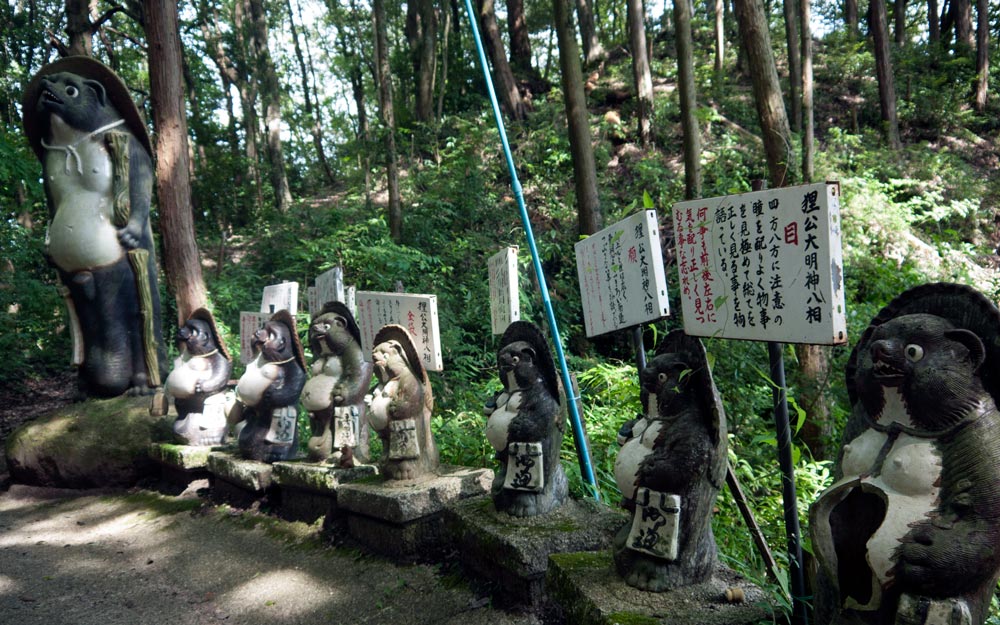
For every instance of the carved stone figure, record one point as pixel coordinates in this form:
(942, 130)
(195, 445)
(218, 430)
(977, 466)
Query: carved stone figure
(334, 395)
(97, 167)
(670, 468)
(400, 407)
(269, 389)
(910, 530)
(525, 425)
(198, 381)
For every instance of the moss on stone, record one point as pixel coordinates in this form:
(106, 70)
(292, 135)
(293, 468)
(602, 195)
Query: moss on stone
(631, 618)
(581, 560)
(160, 505)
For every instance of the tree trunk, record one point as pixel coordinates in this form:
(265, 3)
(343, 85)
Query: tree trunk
(963, 26)
(588, 205)
(883, 72)
(794, 63)
(720, 36)
(777, 136)
(933, 22)
(982, 54)
(446, 31)
(79, 28)
(503, 77)
(899, 22)
(421, 34)
(173, 186)
(685, 88)
(384, 79)
(312, 114)
(851, 17)
(270, 89)
(640, 70)
(520, 43)
(592, 50)
(808, 119)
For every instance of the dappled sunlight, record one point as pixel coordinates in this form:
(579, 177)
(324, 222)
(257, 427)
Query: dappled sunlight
(9, 586)
(268, 591)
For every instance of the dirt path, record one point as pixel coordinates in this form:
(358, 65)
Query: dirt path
(82, 558)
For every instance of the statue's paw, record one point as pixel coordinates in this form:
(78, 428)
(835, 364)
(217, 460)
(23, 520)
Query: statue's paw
(129, 236)
(645, 575)
(402, 470)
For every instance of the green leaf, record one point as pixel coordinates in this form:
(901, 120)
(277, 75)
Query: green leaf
(647, 201)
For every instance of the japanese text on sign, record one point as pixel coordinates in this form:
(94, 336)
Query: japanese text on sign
(417, 313)
(763, 266)
(622, 281)
(284, 296)
(329, 287)
(250, 322)
(504, 303)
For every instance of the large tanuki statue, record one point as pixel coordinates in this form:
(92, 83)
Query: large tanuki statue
(268, 392)
(400, 407)
(198, 381)
(334, 395)
(525, 425)
(669, 469)
(97, 167)
(909, 533)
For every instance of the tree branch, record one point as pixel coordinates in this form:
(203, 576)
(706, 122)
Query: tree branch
(56, 44)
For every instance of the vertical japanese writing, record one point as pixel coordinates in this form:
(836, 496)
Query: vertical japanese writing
(810, 227)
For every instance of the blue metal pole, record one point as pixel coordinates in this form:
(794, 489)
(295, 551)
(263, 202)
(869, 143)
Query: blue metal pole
(586, 469)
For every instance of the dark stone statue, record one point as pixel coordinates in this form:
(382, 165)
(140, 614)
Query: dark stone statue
(525, 425)
(910, 530)
(198, 381)
(268, 392)
(335, 394)
(671, 466)
(400, 407)
(97, 167)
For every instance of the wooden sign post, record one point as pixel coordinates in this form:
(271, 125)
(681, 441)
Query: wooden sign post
(766, 266)
(505, 305)
(284, 296)
(417, 313)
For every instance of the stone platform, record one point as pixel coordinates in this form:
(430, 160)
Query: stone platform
(512, 553)
(590, 592)
(404, 519)
(180, 465)
(309, 491)
(238, 482)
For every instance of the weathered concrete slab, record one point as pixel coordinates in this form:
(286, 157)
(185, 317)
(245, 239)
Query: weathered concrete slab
(404, 519)
(590, 592)
(513, 552)
(309, 491)
(236, 481)
(180, 465)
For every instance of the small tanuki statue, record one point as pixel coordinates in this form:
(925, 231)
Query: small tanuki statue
(97, 170)
(198, 381)
(670, 468)
(400, 407)
(334, 395)
(268, 392)
(525, 425)
(910, 530)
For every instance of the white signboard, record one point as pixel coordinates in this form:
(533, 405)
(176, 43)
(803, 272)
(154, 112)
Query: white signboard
(350, 299)
(250, 322)
(505, 306)
(622, 281)
(284, 296)
(416, 313)
(763, 266)
(330, 287)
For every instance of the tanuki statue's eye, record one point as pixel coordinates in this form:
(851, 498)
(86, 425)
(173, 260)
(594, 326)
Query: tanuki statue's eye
(914, 352)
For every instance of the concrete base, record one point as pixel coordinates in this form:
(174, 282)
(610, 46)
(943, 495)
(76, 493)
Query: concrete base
(238, 482)
(403, 519)
(590, 592)
(309, 491)
(512, 553)
(180, 465)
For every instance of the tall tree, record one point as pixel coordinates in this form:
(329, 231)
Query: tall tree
(421, 33)
(173, 185)
(851, 18)
(685, 79)
(883, 71)
(313, 113)
(592, 49)
(270, 89)
(520, 43)
(384, 80)
(79, 28)
(503, 77)
(720, 36)
(962, 12)
(794, 63)
(777, 135)
(808, 129)
(982, 54)
(933, 22)
(640, 70)
(899, 22)
(588, 206)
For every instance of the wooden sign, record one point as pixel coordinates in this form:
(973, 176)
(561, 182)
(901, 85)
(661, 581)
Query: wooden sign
(312, 301)
(763, 266)
(284, 296)
(250, 322)
(417, 313)
(330, 287)
(505, 305)
(622, 281)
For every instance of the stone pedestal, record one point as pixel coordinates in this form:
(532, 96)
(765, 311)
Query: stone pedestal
(238, 482)
(180, 465)
(403, 519)
(512, 553)
(591, 593)
(309, 491)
